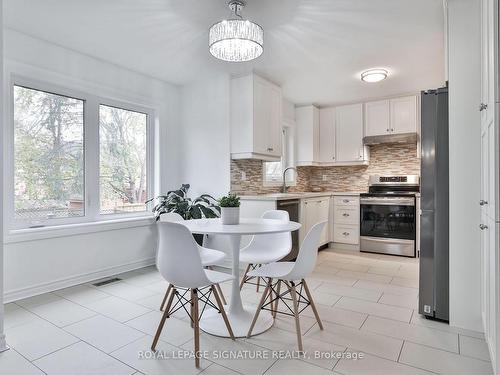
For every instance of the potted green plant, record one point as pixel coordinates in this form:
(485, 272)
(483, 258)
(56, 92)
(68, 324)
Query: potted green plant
(205, 206)
(230, 209)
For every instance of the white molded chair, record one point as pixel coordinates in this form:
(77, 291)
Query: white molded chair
(266, 248)
(289, 273)
(209, 257)
(179, 263)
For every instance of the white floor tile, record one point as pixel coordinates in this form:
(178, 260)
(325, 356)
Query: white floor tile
(82, 359)
(418, 319)
(371, 365)
(61, 312)
(377, 309)
(16, 315)
(38, 300)
(348, 291)
(378, 345)
(81, 294)
(401, 281)
(341, 280)
(117, 308)
(326, 299)
(126, 291)
(295, 366)
(442, 362)
(410, 301)
(131, 355)
(279, 340)
(215, 369)
(336, 315)
(248, 365)
(411, 332)
(12, 363)
(104, 333)
(287, 323)
(473, 347)
(38, 338)
(387, 288)
(152, 302)
(365, 276)
(175, 331)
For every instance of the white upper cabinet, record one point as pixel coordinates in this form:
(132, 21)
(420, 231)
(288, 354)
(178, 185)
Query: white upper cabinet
(377, 118)
(404, 115)
(349, 133)
(256, 119)
(307, 122)
(391, 116)
(327, 152)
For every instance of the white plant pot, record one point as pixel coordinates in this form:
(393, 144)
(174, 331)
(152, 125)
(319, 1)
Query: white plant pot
(230, 215)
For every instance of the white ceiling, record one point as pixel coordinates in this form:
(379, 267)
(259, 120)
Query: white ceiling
(315, 49)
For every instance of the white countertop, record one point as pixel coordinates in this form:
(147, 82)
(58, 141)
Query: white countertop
(301, 195)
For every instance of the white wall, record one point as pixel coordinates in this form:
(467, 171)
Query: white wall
(2, 334)
(45, 264)
(204, 138)
(464, 98)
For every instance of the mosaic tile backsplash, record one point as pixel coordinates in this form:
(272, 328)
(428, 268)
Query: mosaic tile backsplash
(385, 159)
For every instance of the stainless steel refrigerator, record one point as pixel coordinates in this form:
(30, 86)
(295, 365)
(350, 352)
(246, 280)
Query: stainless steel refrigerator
(434, 204)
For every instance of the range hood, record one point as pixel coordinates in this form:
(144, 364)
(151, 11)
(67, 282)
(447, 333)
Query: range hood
(390, 138)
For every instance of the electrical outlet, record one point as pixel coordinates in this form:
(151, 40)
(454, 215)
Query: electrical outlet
(243, 176)
(427, 309)
(325, 177)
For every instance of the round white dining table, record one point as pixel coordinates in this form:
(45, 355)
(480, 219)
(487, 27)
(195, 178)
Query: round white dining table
(240, 315)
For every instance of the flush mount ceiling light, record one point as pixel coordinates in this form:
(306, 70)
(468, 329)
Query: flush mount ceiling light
(236, 39)
(374, 75)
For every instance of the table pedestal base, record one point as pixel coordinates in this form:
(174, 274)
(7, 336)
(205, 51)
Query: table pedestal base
(212, 322)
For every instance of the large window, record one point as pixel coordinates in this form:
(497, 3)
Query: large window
(48, 163)
(77, 157)
(123, 160)
(273, 171)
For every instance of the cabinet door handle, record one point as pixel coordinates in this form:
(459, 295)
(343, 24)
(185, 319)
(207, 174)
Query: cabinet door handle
(392, 129)
(345, 233)
(345, 215)
(346, 200)
(388, 130)
(482, 202)
(270, 149)
(333, 157)
(483, 227)
(483, 107)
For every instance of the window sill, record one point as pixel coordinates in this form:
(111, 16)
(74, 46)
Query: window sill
(278, 183)
(32, 234)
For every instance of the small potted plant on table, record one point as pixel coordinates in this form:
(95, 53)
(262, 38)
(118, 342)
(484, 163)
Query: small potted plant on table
(230, 209)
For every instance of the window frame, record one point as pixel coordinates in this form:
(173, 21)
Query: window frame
(286, 157)
(91, 104)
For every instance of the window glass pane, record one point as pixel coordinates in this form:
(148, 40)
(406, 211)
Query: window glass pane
(48, 155)
(273, 171)
(123, 160)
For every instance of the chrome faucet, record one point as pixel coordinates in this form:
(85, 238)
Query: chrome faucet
(284, 188)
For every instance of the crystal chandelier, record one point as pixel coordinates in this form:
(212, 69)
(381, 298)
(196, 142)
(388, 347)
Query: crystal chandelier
(236, 39)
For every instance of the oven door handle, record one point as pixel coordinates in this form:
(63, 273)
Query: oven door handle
(388, 201)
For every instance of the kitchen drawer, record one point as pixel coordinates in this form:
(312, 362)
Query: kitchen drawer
(345, 201)
(346, 234)
(346, 215)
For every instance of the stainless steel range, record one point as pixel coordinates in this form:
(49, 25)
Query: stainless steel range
(388, 219)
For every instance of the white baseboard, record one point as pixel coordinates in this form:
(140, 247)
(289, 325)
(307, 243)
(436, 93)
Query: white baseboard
(50, 286)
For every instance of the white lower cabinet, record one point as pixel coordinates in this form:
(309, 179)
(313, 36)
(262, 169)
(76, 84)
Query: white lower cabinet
(346, 220)
(313, 211)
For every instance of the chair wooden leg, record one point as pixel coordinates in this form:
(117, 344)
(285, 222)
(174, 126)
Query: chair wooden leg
(259, 307)
(244, 276)
(222, 311)
(169, 289)
(258, 284)
(196, 329)
(191, 308)
(275, 309)
(293, 293)
(313, 306)
(219, 290)
(162, 321)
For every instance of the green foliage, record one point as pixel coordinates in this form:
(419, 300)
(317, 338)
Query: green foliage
(205, 206)
(230, 200)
